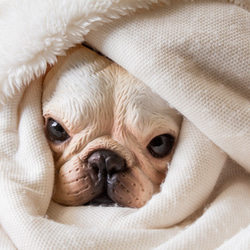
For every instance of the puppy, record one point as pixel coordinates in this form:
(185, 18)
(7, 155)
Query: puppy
(111, 136)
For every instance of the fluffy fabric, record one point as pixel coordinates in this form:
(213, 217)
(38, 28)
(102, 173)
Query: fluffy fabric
(195, 54)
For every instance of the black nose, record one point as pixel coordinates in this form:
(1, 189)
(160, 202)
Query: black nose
(107, 162)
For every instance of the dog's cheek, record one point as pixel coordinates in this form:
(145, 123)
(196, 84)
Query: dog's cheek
(130, 189)
(76, 184)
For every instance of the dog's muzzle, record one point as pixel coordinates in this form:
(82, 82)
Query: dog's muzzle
(102, 178)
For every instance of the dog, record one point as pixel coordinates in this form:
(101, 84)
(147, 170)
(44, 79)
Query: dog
(111, 136)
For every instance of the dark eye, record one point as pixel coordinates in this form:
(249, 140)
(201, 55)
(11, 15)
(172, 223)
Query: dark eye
(56, 132)
(161, 145)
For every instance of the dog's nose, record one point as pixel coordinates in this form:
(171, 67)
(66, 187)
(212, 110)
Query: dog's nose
(107, 161)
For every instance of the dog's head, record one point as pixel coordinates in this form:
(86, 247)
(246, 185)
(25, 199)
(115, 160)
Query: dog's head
(109, 133)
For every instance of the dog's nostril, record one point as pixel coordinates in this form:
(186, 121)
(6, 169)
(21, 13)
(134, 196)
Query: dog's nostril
(107, 161)
(115, 164)
(97, 162)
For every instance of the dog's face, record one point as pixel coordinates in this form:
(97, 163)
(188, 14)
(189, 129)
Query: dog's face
(111, 136)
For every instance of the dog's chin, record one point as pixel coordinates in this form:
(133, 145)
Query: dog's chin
(102, 200)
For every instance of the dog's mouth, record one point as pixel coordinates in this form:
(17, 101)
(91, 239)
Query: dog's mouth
(102, 200)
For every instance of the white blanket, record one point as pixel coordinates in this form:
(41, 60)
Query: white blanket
(196, 55)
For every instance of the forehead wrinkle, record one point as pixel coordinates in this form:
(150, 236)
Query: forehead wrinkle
(97, 111)
(80, 100)
(79, 63)
(76, 145)
(130, 101)
(84, 60)
(141, 111)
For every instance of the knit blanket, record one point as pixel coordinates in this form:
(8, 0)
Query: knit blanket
(194, 54)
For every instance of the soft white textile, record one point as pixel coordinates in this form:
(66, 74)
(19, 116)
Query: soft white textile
(196, 55)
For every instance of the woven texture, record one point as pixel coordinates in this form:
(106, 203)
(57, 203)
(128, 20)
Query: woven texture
(196, 55)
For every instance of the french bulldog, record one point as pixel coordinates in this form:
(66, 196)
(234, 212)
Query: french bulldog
(111, 136)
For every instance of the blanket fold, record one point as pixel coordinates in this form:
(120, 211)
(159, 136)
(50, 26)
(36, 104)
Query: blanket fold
(194, 54)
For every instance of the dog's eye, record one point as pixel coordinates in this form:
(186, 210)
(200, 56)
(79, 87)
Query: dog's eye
(56, 132)
(161, 145)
